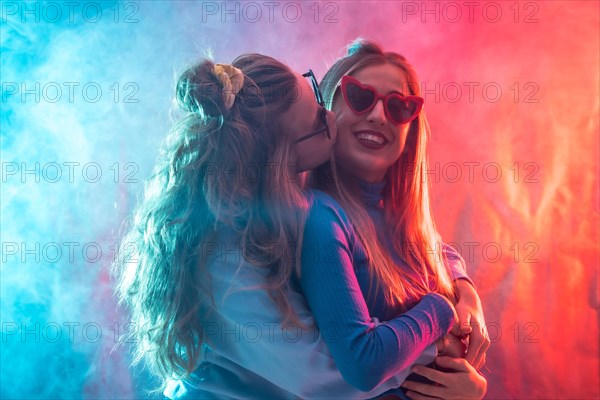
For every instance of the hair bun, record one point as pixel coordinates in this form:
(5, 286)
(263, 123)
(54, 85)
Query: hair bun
(361, 45)
(198, 90)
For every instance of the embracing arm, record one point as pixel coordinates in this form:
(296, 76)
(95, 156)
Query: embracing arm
(469, 310)
(366, 353)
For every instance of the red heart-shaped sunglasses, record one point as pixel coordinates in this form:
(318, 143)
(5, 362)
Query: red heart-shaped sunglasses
(362, 99)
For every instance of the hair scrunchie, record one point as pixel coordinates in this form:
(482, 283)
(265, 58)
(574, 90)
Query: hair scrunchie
(232, 79)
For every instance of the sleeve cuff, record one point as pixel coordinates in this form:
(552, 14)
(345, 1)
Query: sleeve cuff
(465, 278)
(440, 311)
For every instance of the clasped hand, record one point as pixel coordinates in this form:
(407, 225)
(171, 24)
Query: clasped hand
(461, 355)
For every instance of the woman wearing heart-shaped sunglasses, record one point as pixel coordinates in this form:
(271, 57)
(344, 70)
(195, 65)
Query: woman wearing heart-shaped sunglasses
(374, 175)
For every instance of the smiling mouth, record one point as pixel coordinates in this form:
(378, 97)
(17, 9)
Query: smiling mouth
(370, 139)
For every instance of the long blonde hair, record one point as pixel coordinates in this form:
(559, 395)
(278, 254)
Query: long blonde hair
(405, 195)
(218, 166)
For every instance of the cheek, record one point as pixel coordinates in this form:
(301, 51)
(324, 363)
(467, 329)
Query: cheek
(311, 155)
(344, 122)
(342, 112)
(332, 124)
(304, 158)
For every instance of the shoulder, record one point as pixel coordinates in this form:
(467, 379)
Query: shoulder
(318, 196)
(319, 200)
(322, 205)
(326, 214)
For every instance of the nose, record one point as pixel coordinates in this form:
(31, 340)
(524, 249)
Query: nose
(377, 114)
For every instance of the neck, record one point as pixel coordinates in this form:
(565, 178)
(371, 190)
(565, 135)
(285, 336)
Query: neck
(365, 176)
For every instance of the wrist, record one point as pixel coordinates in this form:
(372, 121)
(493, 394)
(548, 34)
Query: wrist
(444, 311)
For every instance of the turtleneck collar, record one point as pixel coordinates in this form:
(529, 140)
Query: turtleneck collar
(371, 192)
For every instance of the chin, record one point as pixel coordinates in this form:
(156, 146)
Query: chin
(370, 166)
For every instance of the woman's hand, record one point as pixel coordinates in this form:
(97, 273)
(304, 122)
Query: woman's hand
(451, 346)
(472, 323)
(463, 382)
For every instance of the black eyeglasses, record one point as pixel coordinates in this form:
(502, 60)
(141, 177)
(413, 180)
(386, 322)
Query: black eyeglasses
(313, 80)
(322, 112)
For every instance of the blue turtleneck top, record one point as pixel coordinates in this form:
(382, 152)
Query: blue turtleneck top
(335, 279)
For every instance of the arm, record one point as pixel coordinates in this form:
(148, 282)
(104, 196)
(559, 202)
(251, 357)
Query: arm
(469, 310)
(472, 323)
(365, 353)
(458, 270)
